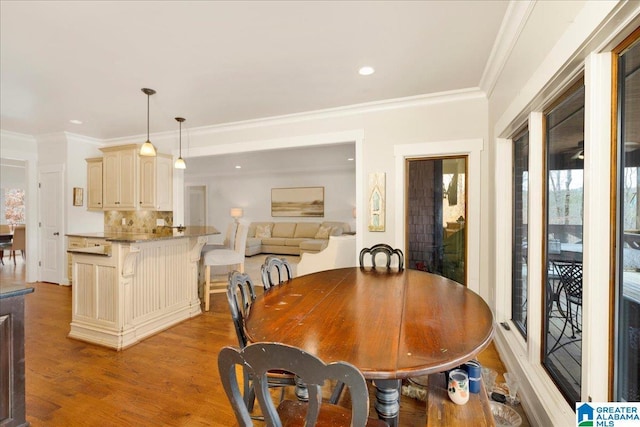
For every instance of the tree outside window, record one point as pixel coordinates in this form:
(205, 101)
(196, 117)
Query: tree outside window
(14, 206)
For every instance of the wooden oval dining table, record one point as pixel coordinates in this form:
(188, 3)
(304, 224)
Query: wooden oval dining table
(390, 324)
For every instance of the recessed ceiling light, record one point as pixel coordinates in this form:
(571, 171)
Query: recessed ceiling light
(75, 122)
(238, 167)
(350, 159)
(366, 71)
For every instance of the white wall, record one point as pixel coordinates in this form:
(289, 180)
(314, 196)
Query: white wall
(78, 218)
(252, 192)
(437, 118)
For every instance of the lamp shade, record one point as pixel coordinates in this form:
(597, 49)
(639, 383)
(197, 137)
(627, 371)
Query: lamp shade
(147, 149)
(180, 164)
(236, 212)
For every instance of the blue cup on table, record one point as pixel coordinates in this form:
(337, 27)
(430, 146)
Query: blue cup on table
(474, 372)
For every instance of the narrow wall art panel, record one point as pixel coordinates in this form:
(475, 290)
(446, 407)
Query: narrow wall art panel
(377, 201)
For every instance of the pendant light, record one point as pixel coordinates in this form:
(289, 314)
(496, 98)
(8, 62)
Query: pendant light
(147, 148)
(180, 164)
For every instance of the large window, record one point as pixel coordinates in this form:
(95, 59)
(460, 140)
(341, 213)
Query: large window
(520, 232)
(562, 343)
(627, 368)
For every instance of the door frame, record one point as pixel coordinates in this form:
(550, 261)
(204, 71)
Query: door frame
(61, 215)
(437, 149)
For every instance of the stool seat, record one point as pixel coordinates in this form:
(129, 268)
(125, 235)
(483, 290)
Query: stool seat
(231, 256)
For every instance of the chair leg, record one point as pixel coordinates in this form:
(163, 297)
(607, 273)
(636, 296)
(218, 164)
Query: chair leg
(207, 287)
(302, 392)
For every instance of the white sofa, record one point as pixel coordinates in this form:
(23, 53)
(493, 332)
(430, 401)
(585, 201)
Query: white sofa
(292, 238)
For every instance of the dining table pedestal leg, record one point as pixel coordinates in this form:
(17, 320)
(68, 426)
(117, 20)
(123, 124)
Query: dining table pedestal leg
(388, 400)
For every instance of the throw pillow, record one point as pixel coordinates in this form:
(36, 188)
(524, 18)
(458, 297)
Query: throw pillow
(263, 231)
(323, 232)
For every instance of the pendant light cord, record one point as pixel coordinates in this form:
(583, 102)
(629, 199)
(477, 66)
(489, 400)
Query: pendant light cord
(148, 116)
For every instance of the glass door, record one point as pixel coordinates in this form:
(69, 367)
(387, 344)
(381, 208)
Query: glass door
(436, 216)
(627, 367)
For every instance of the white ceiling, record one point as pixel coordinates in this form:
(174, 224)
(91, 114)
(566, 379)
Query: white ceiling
(299, 160)
(220, 62)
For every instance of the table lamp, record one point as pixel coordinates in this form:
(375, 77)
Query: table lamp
(236, 213)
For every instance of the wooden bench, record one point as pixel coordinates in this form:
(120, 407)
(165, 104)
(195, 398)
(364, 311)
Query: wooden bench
(441, 411)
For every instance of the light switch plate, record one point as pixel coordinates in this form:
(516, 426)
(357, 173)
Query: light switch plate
(159, 222)
(124, 221)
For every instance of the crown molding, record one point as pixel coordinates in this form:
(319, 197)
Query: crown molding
(74, 137)
(355, 109)
(514, 21)
(17, 136)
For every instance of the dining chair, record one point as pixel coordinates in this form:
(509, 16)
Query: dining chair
(18, 243)
(570, 276)
(382, 248)
(240, 295)
(223, 257)
(274, 265)
(271, 266)
(260, 358)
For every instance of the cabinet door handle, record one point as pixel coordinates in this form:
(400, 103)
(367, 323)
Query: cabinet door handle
(56, 234)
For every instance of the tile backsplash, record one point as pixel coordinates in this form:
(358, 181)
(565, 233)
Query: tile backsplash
(135, 221)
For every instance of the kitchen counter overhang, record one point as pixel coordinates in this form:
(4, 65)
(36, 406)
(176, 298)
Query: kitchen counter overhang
(160, 233)
(136, 286)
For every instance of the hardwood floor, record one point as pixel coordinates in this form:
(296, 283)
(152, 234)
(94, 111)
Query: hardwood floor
(169, 379)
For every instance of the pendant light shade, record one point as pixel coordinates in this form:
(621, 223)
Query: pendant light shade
(180, 164)
(147, 148)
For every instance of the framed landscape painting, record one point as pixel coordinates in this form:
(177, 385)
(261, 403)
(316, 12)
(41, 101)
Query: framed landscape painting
(297, 201)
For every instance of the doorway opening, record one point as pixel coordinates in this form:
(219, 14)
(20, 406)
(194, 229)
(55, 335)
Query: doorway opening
(436, 216)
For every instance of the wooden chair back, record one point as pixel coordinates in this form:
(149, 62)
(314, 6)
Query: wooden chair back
(271, 266)
(19, 242)
(5, 228)
(262, 357)
(382, 248)
(240, 295)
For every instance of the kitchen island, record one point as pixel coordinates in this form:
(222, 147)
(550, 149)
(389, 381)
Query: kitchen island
(135, 285)
(12, 369)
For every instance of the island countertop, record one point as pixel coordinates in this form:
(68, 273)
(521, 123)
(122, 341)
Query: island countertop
(12, 290)
(161, 233)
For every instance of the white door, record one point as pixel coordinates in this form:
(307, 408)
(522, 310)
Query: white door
(196, 209)
(51, 223)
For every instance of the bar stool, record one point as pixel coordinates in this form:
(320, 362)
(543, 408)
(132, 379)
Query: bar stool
(225, 257)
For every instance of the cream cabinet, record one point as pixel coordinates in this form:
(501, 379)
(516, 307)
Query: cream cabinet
(73, 242)
(120, 177)
(156, 182)
(94, 183)
(81, 242)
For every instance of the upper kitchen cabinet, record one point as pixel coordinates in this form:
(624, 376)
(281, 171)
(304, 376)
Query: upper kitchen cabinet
(120, 177)
(156, 182)
(94, 183)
